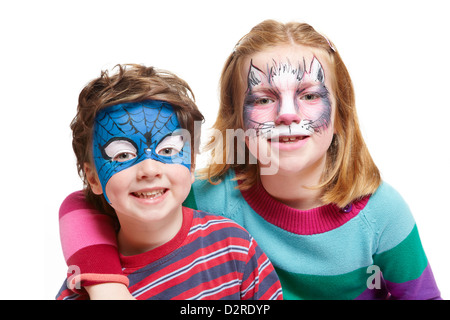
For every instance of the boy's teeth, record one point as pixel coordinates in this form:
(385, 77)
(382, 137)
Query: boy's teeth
(150, 194)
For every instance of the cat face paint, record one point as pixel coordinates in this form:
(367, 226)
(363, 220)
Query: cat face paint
(126, 134)
(287, 101)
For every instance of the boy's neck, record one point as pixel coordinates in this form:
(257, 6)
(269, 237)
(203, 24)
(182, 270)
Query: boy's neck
(136, 236)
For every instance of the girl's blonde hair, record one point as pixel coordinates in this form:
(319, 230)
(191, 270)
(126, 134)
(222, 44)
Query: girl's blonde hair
(350, 172)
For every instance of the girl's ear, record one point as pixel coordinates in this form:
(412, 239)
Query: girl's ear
(92, 178)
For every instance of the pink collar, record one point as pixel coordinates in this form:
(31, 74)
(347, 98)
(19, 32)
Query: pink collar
(302, 222)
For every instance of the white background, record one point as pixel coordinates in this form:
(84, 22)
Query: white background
(397, 53)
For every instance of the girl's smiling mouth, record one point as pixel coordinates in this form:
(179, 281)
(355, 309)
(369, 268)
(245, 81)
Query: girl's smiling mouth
(287, 139)
(288, 143)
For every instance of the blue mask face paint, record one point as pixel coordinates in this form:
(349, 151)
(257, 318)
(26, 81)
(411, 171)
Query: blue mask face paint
(126, 134)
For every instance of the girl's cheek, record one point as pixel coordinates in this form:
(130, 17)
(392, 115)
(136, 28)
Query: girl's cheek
(257, 115)
(312, 111)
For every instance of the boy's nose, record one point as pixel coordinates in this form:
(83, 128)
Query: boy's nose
(149, 168)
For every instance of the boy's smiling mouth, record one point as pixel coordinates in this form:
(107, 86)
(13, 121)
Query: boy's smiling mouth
(151, 194)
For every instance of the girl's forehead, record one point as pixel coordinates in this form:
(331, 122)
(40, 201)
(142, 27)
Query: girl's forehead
(293, 55)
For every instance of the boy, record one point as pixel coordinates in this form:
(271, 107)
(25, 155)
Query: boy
(134, 140)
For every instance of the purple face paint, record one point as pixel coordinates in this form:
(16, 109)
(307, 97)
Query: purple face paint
(287, 100)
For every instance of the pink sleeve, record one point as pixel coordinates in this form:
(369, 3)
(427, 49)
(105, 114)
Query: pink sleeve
(89, 244)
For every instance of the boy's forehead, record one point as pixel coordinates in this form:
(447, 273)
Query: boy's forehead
(152, 117)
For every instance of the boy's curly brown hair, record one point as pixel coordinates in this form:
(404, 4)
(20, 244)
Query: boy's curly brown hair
(131, 83)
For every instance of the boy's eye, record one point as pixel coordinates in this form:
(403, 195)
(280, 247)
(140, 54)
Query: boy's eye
(120, 150)
(170, 146)
(168, 152)
(124, 156)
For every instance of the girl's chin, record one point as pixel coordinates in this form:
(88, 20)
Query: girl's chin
(289, 165)
(283, 167)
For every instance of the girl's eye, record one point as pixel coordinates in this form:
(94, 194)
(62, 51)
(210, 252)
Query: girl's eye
(264, 101)
(309, 97)
(120, 150)
(170, 146)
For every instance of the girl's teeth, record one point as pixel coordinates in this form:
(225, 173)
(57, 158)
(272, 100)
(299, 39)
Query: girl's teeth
(290, 139)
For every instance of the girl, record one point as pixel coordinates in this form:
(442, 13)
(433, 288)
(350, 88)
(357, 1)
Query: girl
(308, 190)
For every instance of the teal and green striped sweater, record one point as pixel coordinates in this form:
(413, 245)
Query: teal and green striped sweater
(371, 250)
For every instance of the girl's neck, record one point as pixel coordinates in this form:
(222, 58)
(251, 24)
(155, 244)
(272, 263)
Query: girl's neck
(296, 190)
(136, 237)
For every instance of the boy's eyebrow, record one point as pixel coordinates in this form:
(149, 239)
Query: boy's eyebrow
(177, 132)
(171, 134)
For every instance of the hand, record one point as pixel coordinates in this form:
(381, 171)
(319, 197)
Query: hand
(109, 291)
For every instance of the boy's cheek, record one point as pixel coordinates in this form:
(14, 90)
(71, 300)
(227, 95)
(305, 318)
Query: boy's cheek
(110, 168)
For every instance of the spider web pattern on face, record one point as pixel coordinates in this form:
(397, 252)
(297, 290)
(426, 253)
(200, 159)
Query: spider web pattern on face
(146, 124)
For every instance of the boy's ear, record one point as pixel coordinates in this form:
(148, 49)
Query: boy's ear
(92, 178)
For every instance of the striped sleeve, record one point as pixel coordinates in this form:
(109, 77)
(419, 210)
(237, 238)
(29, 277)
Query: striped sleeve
(399, 253)
(406, 270)
(67, 294)
(89, 244)
(260, 281)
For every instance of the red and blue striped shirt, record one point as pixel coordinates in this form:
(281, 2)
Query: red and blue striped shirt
(210, 258)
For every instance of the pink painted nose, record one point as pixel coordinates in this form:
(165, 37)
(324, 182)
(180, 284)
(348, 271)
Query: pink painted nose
(287, 119)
